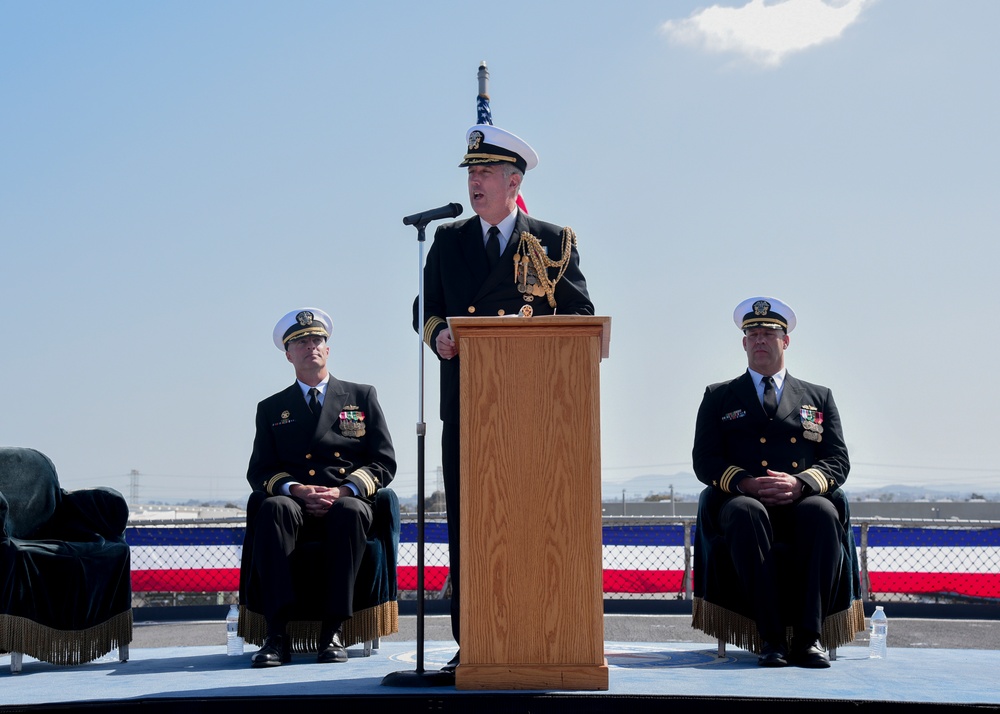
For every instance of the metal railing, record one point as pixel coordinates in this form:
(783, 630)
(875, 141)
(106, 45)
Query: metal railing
(196, 561)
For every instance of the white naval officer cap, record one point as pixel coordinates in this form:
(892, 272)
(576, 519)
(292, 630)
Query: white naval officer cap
(490, 144)
(299, 323)
(764, 312)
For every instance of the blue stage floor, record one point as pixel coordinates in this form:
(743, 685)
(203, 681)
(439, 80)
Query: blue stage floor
(205, 679)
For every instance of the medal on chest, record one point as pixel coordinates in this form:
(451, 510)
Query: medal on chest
(812, 423)
(352, 422)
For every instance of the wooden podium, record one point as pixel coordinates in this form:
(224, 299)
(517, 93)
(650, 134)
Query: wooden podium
(532, 612)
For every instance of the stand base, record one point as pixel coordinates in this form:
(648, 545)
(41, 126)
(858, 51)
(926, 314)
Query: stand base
(412, 678)
(533, 676)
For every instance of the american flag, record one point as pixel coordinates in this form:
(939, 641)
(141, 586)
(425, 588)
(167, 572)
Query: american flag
(485, 116)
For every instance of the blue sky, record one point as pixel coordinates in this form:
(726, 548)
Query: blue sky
(176, 176)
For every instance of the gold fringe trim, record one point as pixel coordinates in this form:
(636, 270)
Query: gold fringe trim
(840, 628)
(725, 625)
(379, 621)
(19, 634)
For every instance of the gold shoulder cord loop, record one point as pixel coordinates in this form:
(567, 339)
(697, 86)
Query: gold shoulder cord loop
(531, 266)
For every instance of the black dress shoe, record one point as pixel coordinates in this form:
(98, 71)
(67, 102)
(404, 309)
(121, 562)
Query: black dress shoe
(773, 655)
(808, 652)
(331, 647)
(449, 669)
(452, 664)
(275, 652)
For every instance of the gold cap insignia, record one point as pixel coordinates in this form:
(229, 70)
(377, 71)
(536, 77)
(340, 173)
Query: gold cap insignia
(304, 318)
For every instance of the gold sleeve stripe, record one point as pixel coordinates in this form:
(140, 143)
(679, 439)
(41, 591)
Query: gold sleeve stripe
(816, 479)
(271, 482)
(429, 327)
(726, 482)
(370, 484)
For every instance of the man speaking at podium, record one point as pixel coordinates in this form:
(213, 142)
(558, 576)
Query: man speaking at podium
(500, 262)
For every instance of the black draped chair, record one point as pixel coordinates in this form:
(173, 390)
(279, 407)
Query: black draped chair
(376, 610)
(722, 610)
(65, 580)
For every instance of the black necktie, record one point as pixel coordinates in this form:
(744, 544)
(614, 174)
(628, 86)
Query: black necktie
(493, 246)
(770, 398)
(314, 406)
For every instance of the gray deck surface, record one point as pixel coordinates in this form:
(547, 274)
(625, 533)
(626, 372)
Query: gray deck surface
(930, 661)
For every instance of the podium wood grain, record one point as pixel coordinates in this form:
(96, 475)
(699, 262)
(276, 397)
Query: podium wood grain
(532, 607)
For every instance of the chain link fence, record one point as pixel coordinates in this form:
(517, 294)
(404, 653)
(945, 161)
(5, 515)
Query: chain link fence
(901, 560)
(178, 563)
(186, 562)
(913, 560)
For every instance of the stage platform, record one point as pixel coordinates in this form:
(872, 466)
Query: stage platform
(644, 676)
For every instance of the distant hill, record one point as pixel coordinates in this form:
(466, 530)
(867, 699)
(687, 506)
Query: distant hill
(687, 487)
(899, 492)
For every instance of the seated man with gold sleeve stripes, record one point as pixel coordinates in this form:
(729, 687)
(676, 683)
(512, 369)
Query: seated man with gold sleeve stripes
(771, 451)
(321, 451)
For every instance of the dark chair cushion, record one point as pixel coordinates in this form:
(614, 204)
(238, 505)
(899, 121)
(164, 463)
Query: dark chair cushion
(69, 585)
(65, 575)
(29, 483)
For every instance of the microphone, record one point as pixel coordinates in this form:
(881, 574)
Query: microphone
(434, 214)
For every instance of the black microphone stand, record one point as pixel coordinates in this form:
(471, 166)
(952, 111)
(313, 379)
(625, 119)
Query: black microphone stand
(420, 677)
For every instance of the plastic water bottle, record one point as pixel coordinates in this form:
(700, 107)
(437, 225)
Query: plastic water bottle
(879, 631)
(111, 656)
(234, 643)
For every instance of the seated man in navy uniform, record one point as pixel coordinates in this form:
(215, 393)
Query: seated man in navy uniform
(321, 451)
(771, 449)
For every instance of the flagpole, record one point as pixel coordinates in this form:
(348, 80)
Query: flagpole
(483, 113)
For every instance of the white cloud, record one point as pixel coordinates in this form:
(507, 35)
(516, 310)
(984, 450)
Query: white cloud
(766, 33)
